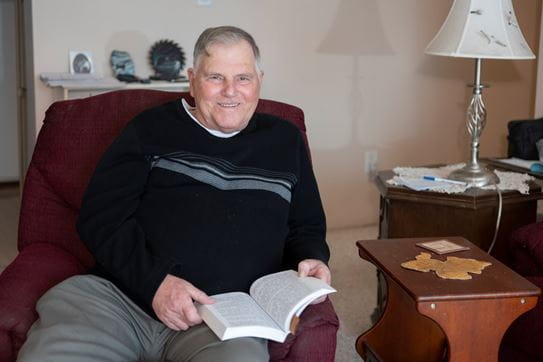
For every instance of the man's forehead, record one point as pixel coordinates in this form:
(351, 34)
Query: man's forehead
(218, 62)
(221, 49)
(210, 67)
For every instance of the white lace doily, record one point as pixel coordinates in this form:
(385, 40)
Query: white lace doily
(508, 180)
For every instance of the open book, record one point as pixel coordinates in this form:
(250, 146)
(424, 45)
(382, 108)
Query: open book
(271, 310)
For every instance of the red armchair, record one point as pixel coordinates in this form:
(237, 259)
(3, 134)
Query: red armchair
(523, 340)
(74, 135)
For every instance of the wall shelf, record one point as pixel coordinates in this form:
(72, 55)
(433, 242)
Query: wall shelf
(81, 89)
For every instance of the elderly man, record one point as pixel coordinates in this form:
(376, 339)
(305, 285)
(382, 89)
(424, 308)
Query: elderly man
(187, 202)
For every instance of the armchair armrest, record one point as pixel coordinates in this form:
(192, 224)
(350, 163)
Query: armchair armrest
(37, 268)
(315, 338)
(526, 245)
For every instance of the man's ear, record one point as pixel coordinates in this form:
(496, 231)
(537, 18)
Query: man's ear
(190, 73)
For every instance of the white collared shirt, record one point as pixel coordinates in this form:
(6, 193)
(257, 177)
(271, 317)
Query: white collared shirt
(214, 132)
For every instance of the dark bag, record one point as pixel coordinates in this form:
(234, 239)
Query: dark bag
(522, 138)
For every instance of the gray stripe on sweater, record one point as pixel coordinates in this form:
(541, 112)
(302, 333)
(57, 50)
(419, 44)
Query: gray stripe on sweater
(213, 176)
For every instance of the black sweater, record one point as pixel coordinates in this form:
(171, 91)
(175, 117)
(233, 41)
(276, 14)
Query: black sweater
(168, 197)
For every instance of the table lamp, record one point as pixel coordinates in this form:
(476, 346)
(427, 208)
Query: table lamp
(479, 29)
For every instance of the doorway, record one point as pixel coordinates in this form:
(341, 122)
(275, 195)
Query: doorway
(9, 131)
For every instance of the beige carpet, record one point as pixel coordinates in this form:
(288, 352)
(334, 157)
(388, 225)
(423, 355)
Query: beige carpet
(356, 283)
(353, 278)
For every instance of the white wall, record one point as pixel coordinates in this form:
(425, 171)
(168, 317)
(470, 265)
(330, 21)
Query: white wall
(356, 67)
(9, 160)
(539, 88)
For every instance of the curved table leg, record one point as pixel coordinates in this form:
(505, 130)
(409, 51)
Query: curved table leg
(402, 334)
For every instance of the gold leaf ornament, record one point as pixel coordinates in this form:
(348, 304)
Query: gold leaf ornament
(452, 268)
(423, 262)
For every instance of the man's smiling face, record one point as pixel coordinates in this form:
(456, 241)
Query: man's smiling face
(226, 86)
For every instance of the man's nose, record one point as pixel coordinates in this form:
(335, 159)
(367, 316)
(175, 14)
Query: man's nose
(229, 89)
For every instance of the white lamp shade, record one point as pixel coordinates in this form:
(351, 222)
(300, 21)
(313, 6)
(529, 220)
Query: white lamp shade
(481, 29)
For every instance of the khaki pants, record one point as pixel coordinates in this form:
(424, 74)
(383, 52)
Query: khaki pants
(87, 318)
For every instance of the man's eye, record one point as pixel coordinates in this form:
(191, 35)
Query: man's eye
(215, 77)
(244, 79)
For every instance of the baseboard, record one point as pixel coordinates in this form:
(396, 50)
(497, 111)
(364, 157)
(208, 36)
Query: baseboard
(9, 189)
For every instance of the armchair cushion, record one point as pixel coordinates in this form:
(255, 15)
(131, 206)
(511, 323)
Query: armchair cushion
(522, 341)
(523, 338)
(526, 246)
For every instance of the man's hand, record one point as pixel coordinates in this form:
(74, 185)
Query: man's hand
(173, 303)
(315, 268)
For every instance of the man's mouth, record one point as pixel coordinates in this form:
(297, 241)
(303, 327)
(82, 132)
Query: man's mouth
(229, 105)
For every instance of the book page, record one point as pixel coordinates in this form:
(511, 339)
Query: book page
(236, 314)
(284, 294)
(239, 309)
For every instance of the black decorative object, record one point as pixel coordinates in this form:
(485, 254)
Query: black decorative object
(123, 66)
(167, 59)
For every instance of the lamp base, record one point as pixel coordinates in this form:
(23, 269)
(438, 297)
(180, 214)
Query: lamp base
(475, 175)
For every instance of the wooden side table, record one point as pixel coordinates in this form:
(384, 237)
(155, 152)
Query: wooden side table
(431, 319)
(472, 214)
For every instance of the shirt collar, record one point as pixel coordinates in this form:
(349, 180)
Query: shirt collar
(189, 109)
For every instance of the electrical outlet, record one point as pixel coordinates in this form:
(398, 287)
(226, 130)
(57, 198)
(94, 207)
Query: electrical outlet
(370, 163)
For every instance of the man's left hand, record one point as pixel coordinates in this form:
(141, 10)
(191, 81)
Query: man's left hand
(315, 268)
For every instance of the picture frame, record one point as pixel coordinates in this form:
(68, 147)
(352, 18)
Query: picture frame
(81, 62)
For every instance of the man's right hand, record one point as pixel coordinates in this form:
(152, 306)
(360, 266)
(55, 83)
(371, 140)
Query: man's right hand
(173, 303)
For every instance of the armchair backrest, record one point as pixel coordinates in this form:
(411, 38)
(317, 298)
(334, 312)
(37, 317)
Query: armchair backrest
(73, 137)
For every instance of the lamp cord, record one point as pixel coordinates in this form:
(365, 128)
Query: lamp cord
(498, 219)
